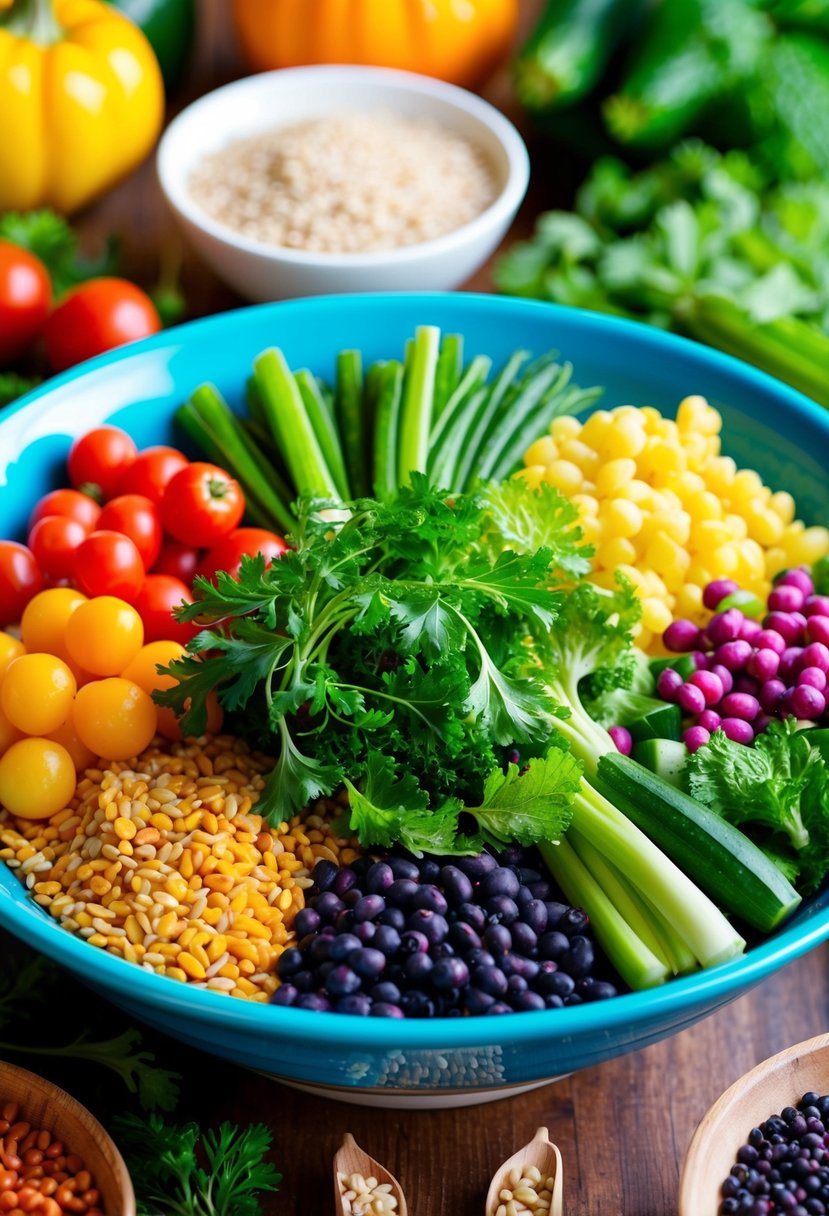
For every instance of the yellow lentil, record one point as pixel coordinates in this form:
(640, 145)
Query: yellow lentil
(195, 889)
(656, 497)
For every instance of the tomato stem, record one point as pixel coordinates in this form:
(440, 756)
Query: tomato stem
(33, 20)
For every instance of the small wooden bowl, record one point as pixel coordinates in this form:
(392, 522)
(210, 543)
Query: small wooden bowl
(780, 1081)
(45, 1106)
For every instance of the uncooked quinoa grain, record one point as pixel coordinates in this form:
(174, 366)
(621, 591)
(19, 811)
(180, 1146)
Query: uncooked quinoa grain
(349, 183)
(163, 861)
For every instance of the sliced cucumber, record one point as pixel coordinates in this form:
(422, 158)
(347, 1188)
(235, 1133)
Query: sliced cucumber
(664, 722)
(684, 664)
(728, 866)
(665, 757)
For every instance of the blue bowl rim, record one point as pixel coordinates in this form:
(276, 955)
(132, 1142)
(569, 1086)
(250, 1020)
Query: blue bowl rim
(691, 994)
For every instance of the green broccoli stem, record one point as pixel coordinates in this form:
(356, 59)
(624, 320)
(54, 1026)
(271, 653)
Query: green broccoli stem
(632, 958)
(690, 913)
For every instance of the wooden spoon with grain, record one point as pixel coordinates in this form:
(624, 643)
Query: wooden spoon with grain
(545, 1156)
(351, 1160)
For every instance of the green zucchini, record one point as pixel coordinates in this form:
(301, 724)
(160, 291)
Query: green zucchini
(663, 721)
(569, 49)
(665, 757)
(728, 866)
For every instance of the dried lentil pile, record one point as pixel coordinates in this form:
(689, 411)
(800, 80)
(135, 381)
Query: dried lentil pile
(164, 862)
(346, 183)
(38, 1173)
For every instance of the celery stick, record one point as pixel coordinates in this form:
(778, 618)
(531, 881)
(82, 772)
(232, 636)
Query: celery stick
(349, 412)
(291, 426)
(500, 399)
(448, 372)
(445, 439)
(236, 448)
(384, 461)
(690, 913)
(636, 963)
(324, 429)
(418, 401)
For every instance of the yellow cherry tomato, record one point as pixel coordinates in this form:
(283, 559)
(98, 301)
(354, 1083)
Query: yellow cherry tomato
(114, 718)
(104, 635)
(45, 617)
(36, 693)
(37, 778)
(67, 736)
(8, 734)
(10, 648)
(143, 671)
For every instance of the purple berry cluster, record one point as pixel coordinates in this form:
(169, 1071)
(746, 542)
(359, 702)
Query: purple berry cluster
(748, 672)
(784, 1167)
(435, 937)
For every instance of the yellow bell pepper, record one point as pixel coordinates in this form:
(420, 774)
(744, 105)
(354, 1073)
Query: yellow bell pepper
(81, 101)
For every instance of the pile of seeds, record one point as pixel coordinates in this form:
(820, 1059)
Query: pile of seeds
(164, 862)
(347, 183)
(527, 1191)
(39, 1174)
(366, 1196)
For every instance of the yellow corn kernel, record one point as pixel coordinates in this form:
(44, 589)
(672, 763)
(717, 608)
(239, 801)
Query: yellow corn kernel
(736, 525)
(687, 484)
(783, 505)
(614, 476)
(764, 526)
(806, 547)
(593, 431)
(674, 522)
(176, 973)
(702, 506)
(650, 416)
(720, 474)
(625, 438)
(622, 518)
(695, 414)
(724, 561)
(709, 534)
(614, 552)
(191, 966)
(656, 615)
(635, 576)
(125, 829)
(586, 503)
(698, 452)
(543, 451)
(689, 601)
(565, 427)
(565, 476)
(775, 561)
(533, 475)
(604, 578)
(663, 553)
(747, 484)
(661, 459)
(591, 529)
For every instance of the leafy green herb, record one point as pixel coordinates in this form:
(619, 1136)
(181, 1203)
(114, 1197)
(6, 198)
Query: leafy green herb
(780, 785)
(179, 1170)
(34, 983)
(49, 237)
(706, 244)
(391, 646)
(13, 386)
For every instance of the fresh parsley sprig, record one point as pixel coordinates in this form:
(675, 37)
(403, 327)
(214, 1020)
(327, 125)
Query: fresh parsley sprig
(390, 648)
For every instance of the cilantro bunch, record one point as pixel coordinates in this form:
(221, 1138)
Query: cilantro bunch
(391, 650)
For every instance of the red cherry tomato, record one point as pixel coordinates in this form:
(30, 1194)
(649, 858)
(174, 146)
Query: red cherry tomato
(100, 458)
(20, 580)
(151, 472)
(95, 317)
(108, 563)
(159, 595)
(69, 503)
(181, 561)
(201, 504)
(228, 553)
(55, 540)
(25, 297)
(137, 517)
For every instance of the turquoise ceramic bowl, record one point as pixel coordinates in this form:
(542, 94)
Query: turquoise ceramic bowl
(767, 426)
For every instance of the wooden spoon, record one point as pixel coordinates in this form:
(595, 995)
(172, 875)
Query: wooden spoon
(352, 1160)
(545, 1156)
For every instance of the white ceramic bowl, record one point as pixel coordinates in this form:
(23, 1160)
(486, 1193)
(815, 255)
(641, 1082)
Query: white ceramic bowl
(260, 271)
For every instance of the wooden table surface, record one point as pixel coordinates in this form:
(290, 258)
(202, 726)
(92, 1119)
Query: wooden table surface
(622, 1127)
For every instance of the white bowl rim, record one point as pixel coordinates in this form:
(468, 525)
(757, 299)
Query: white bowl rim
(499, 210)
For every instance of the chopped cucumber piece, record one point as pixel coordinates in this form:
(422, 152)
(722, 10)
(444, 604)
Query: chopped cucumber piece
(665, 757)
(662, 723)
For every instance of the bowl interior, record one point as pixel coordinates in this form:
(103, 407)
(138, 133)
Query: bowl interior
(779, 1081)
(276, 99)
(766, 426)
(46, 1106)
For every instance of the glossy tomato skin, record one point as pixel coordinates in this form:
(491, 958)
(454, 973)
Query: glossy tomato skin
(55, 540)
(152, 471)
(181, 561)
(202, 504)
(95, 317)
(20, 580)
(69, 503)
(108, 563)
(241, 542)
(25, 298)
(137, 517)
(159, 595)
(100, 458)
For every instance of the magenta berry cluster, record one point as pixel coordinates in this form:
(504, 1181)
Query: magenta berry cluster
(748, 672)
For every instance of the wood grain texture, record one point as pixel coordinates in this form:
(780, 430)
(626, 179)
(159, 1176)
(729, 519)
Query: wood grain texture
(50, 1109)
(622, 1127)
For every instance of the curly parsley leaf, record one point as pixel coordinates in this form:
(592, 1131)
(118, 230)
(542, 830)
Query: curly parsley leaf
(526, 520)
(529, 806)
